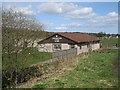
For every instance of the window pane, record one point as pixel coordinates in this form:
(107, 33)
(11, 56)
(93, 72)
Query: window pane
(57, 46)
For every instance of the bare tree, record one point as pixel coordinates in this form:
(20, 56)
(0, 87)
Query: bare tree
(18, 31)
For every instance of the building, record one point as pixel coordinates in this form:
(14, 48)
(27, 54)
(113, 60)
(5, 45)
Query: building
(64, 41)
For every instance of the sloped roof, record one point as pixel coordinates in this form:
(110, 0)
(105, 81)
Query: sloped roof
(79, 37)
(75, 37)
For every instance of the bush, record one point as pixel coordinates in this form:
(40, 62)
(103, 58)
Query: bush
(23, 75)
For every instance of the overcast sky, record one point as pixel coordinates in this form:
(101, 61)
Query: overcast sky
(72, 17)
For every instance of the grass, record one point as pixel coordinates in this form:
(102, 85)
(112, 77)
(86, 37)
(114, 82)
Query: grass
(26, 58)
(42, 86)
(95, 71)
(112, 41)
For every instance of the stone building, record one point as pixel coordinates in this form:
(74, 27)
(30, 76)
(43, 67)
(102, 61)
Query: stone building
(64, 41)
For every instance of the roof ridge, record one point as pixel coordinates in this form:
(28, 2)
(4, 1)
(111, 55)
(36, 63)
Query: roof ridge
(79, 37)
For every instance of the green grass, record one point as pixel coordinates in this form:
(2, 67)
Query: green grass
(42, 86)
(112, 41)
(95, 71)
(26, 58)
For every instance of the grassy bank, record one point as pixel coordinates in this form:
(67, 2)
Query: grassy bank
(94, 71)
(25, 58)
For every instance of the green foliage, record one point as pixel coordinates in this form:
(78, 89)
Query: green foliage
(25, 58)
(101, 34)
(18, 56)
(95, 71)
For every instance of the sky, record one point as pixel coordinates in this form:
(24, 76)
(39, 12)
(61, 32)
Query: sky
(71, 16)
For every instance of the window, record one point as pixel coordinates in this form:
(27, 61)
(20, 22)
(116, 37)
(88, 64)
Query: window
(57, 47)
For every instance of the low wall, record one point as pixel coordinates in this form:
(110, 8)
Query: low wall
(65, 53)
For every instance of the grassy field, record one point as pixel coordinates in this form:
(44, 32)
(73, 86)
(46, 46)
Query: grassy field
(112, 41)
(94, 71)
(26, 58)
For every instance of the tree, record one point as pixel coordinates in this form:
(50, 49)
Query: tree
(18, 30)
(101, 34)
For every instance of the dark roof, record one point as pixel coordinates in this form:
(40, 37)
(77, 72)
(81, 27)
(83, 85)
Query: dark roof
(79, 37)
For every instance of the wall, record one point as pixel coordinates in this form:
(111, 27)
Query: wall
(48, 47)
(95, 46)
(65, 46)
(84, 48)
(65, 53)
(45, 47)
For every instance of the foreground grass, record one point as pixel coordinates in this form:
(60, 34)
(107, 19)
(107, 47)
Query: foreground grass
(25, 58)
(95, 71)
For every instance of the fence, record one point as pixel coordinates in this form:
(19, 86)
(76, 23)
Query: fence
(109, 45)
(65, 53)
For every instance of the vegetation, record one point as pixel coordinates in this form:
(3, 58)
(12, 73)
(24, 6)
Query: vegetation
(42, 86)
(28, 56)
(112, 41)
(19, 32)
(94, 71)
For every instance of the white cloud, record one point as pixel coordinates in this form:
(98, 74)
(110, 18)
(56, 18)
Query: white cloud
(80, 13)
(70, 26)
(99, 22)
(49, 8)
(56, 8)
(80, 17)
(85, 10)
(25, 10)
(69, 10)
(61, 28)
(107, 20)
(113, 14)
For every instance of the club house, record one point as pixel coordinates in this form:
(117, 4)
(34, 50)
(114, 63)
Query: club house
(64, 41)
